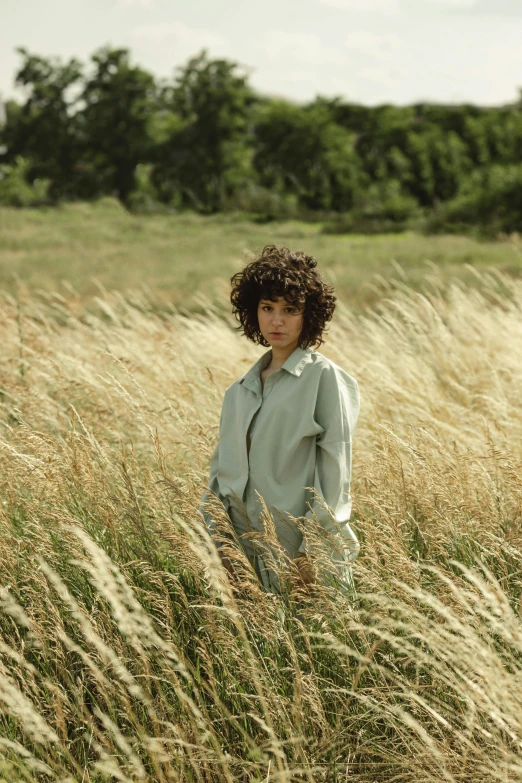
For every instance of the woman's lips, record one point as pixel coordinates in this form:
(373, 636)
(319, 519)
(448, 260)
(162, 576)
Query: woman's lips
(277, 334)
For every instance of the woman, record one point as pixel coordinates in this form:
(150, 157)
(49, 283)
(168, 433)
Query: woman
(287, 424)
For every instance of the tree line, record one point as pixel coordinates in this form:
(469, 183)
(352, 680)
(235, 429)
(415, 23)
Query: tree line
(205, 140)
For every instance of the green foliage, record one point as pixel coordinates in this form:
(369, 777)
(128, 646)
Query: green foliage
(204, 140)
(118, 101)
(382, 142)
(438, 162)
(43, 131)
(388, 200)
(16, 191)
(491, 197)
(301, 150)
(382, 207)
(207, 156)
(143, 198)
(262, 204)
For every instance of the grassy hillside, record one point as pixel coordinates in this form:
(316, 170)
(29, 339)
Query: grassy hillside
(124, 654)
(172, 257)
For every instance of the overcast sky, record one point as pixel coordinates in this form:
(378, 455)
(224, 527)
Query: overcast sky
(368, 51)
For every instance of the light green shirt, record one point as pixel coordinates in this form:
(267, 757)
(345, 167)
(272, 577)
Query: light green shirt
(301, 426)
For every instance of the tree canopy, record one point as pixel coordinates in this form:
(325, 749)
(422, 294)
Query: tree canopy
(205, 140)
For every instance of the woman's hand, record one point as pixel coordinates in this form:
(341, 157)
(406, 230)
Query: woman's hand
(228, 565)
(304, 575)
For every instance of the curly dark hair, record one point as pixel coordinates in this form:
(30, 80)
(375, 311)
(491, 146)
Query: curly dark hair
(279, 271)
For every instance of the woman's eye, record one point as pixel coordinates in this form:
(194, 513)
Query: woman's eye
(290, 310)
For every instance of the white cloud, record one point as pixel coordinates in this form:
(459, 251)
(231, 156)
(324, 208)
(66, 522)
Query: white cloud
(377, 46)
(137, 3)
(279, 46)
(379, 6)
(365, 66)
(180, 39)
(459, 4)
(381, 80)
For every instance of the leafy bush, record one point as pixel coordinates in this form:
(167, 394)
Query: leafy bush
(144, 197)
(16, 190)
(263, 204)
(490, 198)
(383, 207)
(300, 150)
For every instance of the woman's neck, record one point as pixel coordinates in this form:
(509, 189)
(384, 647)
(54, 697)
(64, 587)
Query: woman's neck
(280, 355)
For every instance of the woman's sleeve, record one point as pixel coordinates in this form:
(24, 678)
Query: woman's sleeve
(337, 411)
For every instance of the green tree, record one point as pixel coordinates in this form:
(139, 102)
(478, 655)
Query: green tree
(490, 198)
(43, 129)
(386, 129)
(438, 164)
(207, 156)
(15, 189)
(302, 150)
(119, 101)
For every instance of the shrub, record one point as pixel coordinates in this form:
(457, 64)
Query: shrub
(16, 190)
(490, 198)
(264, 204)
(144, 198)
(383, 207)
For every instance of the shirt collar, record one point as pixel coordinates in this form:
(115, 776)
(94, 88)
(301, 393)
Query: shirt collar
(294, 365)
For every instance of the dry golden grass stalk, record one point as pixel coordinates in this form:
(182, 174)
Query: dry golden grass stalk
(125, 653)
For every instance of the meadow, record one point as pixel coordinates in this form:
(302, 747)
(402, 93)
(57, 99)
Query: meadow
(83, 249)
(125, 654)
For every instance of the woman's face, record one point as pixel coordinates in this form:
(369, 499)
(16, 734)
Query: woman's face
(279, 322)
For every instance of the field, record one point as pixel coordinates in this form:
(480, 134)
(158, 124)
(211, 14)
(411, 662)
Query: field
(172, 259)
(124, 653)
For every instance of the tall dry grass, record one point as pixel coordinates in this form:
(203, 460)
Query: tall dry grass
(125, 654)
